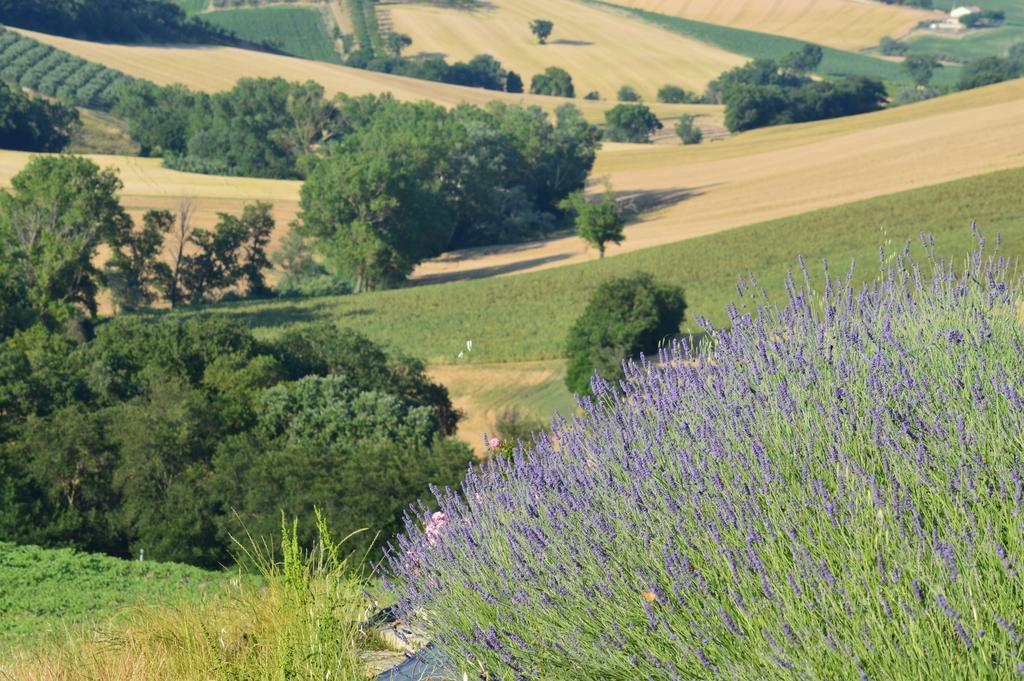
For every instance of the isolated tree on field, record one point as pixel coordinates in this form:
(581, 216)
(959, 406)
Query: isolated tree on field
(135, 272)
(921, 68)
(61, 210)
(597, 223)
(688, 132)
(631, 123)
(513, 82)
(625, 317)
(542, 28)
(555, 82)
(397, 42)
(673, 94)
(804, 60)
(627, 93)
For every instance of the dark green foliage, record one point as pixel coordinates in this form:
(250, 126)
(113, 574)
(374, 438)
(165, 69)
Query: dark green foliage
(411, 180)
(513, 82)
(983, 19)
(61, 210)
(151, 435)
(991, 70)
(805, 60)
(627, 93)
(761, 93)
(135, 273)
(542, 29)
(106, 20)
(54, 73)
(555, 82)
(631, 123)
(688, 132)
(597, 223)
(625, 317)
(259, 128)
(673, 94)
(892, 47)
(29, 124)
(921, 67)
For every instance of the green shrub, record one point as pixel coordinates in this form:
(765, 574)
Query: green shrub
(631, 123)
(627, 93)
(625, 317)
(687, 131)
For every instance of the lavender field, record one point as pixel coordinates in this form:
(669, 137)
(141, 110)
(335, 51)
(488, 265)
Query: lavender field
(832, 488)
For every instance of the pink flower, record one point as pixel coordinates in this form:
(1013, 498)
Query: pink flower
(433, 528)
(495, 443)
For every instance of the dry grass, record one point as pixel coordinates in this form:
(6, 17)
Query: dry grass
(685, 192)
(843, 24)
(602, 50)
(214, 69)
(483, 391)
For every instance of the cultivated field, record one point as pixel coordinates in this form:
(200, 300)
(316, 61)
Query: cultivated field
(213, 69)
(300, 31)
(148, 186)
(518, 324)
(844, 24)
(775, 172)
(602, 50)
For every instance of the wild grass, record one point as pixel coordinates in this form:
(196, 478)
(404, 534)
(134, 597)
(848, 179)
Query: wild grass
(767, 46)
(526, 317)
(299, 619)
(46, 592)
(299, 31)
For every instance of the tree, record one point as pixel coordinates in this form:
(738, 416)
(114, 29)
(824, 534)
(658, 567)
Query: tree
(624, 317)
(688, 132)
(373, 202)
(631, 123)
(805, 60)
(135, 272)
(256, 225)
(31, 124)
(62, 209)
(513, 82)
(673, 94)
(555, 82)
(628, 93)
(892, 47)
(920, 68)
(542, 29)
(397, 42)
(597, 223)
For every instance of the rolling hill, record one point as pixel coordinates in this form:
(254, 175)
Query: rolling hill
(843, 24)
(192, 66)
(597, 47)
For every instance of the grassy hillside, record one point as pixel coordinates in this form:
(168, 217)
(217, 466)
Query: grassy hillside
(526, 317)
(214, 69)
(755, 44)
(979, 43)
(598, 48)
(299, 31)
(843, 24)
(45, 591)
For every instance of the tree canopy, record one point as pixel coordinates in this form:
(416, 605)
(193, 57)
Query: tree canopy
(32, 124)
(631, 123)
(542, 29)
(555, 82)
(597, 223)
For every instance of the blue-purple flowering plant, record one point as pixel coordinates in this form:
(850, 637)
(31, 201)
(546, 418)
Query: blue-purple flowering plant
(832, 488)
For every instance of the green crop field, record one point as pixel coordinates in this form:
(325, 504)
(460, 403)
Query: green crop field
(767, 46)
(193, 6)
(985, 42)
(44, 592)
(526, 317)
(299, 31)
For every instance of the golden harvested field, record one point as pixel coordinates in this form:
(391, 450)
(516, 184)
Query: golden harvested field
(843, 24)
(212, 69)
(602, 50)
(148, 186)
(778, 172)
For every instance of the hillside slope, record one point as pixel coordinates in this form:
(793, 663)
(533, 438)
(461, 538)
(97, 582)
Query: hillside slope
(602, 50)
(775, 172)
(843, 24)
(214, 69)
